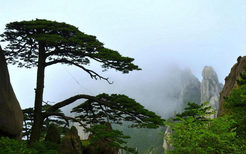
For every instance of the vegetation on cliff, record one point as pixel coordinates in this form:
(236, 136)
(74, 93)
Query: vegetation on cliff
(235, 106)
(195, 132)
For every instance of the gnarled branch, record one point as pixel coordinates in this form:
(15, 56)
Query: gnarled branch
(66, 118)
(69, 101)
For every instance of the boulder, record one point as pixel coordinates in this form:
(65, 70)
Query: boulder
(71, 143)
(231, 81)
(52, 134)
(11, 116)
(101, 146)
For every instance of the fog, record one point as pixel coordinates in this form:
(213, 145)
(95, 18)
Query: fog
(163, 36)
(157, 91)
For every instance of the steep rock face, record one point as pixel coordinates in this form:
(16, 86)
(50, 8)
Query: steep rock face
(11, 116)
(231, 81)
(53, 134)
(71, 143)
(167, 146)
(210, 87)
(190, 90)
(194, 91)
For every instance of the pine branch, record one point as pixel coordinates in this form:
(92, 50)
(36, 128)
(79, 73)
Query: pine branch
(92, 73)
(70, 101)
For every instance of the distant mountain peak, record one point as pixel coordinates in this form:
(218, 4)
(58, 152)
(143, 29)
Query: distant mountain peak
(210, 87)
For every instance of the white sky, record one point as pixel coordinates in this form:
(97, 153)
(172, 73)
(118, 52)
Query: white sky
(157, 33)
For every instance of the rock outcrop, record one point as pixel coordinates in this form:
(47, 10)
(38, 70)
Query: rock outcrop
(167, 146)
(197, 92)
(71, 143)
(190, 90)
(53, 134)
(231, 81)
(11, 116)
(101, 146)
(210, 88)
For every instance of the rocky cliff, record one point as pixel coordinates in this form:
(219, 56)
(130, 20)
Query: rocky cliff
(11, 116)
(210, 88)
(190, 89)
(198, 92)
(231, 81)
(166, 145)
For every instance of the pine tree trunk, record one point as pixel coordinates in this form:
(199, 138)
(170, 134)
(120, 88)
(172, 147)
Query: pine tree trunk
(38, 119)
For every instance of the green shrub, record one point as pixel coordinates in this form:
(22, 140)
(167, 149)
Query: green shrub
(85, 143)
(194, 133)
(45, 147)
(11, 146)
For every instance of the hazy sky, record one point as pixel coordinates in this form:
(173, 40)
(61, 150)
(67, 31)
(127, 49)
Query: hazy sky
(157, 33)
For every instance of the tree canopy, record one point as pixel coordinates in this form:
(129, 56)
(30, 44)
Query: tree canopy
(62, 43)
(197, 111)
(116, 108)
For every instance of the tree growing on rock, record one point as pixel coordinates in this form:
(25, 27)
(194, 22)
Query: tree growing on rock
(43, 43)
